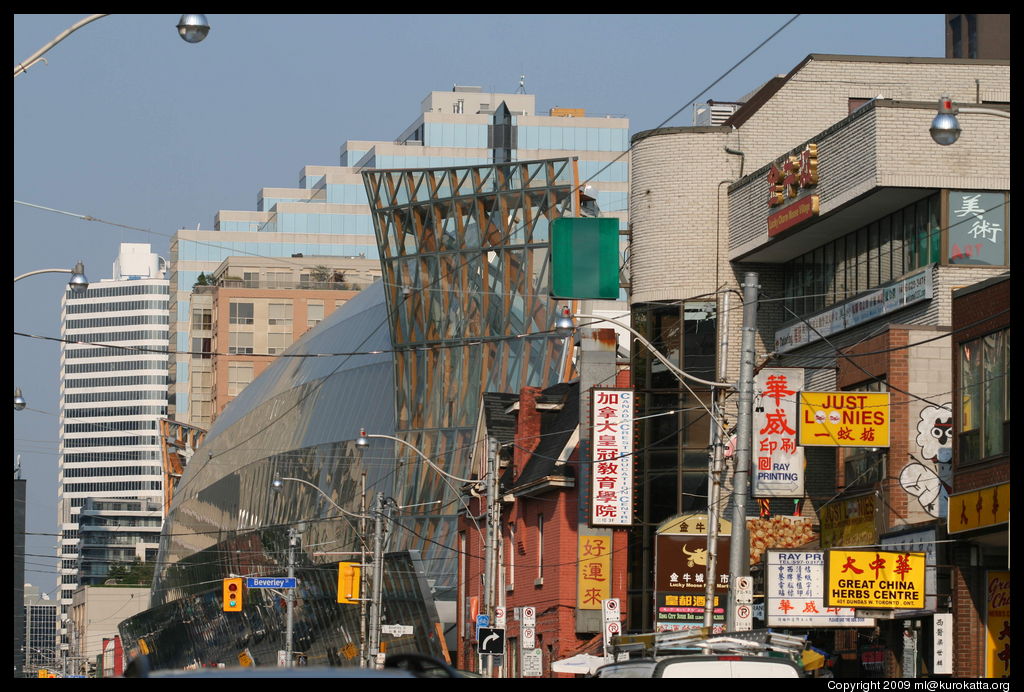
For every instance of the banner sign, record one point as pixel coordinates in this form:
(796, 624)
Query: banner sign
(942, 644)
(874, 579)
(794, 582)
(779, 471)
(844, 419)
(849, 522)
(978, 509)
(594, 571)
(679, 581)
(611, 483)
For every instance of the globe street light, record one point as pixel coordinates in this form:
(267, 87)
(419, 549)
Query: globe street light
(78, 283)
(193, 28)
(19, 400)
(945, 129)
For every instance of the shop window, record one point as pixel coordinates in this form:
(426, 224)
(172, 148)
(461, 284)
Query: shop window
(865, 466)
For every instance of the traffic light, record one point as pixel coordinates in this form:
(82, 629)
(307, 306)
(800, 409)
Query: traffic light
(348, 582)
(233, 595)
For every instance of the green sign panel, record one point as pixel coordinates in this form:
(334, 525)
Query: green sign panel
(585, 258)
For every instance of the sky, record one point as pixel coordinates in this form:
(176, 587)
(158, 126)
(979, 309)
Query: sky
(127, 123)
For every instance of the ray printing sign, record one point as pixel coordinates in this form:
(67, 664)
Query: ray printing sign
(779, 467)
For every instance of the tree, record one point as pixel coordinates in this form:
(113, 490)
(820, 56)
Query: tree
(321, 273)
(136, 572)
(201, 280)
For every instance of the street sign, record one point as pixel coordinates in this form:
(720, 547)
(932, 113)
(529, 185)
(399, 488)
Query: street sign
(610, 608)
(499, 617)
(491, 640)
(532, 663)
(528, 637)
(396, 630)
(529, 616)
(483, 621)
(744, 589)
(270, 582)
(744, 617)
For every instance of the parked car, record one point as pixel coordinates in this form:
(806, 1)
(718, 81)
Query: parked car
(702, 666)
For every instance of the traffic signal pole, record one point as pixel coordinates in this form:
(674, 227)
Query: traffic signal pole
(293, 539)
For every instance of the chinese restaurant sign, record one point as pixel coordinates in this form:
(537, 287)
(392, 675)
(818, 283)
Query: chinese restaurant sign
(794, 583)
(997, 625)
(874, 579)
(795, 172)
(594, 571)
(977, 228)
(979, 508)
(779, 471)
(844, 419)
(611, 483)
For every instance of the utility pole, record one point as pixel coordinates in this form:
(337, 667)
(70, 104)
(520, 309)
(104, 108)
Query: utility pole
(289, 596)
(739, 553)
(378, 580)
(715, 491)
(363, 655)
(492, 542)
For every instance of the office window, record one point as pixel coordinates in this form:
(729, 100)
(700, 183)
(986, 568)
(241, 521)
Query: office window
(277, 342)
(202, 318)
(984, 397)
(240, 313)
(202, 348)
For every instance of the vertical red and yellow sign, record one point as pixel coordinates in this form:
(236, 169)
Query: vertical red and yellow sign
(997, 625)
(594, 571)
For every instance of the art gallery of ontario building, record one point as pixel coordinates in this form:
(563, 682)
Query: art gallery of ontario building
(463, 308)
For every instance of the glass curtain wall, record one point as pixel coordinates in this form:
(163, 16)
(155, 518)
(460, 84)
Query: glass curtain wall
(465, 259)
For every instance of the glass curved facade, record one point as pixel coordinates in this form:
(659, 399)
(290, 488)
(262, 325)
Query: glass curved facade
(465, 258)
(463, 309)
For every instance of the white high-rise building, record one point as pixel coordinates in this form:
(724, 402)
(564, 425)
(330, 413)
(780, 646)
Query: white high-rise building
(113, 395)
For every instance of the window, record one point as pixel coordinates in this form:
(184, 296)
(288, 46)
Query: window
(984, 397)
(240, 342)
(239, 375)
(510, 558)
(240, 313)
(972, 36)
(865, 466)
(202, 318)
(314, 312)
(279, 279)
(201, 348)
(540, 550)
(280, 314)
(277, 342)
(955, 31)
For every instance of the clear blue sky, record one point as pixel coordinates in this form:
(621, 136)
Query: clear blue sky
(128, 123)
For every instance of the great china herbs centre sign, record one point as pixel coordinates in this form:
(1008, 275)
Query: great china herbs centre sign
(867, 579)
(611, 477)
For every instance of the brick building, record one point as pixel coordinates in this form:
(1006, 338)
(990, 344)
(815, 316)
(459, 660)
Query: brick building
(549, 557)
(827, 184)
(979, 503)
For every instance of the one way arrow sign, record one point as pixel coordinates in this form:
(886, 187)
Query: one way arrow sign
(492, 640)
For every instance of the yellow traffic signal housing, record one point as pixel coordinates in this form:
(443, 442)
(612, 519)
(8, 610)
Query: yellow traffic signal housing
(348, 582)
(233, 595)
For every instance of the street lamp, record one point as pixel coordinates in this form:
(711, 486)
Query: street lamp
(77, 283)
(19, 400)
(945, 129)
(193, 28)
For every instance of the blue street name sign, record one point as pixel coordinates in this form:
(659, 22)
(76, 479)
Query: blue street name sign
(270, 582)
(483, 620)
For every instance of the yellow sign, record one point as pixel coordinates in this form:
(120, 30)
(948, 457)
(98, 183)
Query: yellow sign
(997, 625)
(874, 579)
(849, 522)
(245, 658)
(350, 651)
(979, 508)
(844, 419)
(594, 571)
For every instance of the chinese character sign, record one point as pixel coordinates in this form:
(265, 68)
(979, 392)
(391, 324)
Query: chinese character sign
(680, 573)
(794, 583)
(611, 471)
(977, 228)
(594, 571)
(874, 579)
(844, 419)
(997, 625)
(778, 470)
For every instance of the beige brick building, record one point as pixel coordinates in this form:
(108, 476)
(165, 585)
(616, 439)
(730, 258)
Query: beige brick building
(871, 227)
